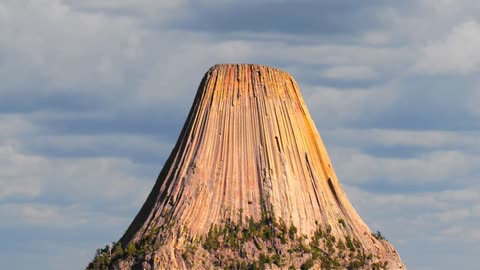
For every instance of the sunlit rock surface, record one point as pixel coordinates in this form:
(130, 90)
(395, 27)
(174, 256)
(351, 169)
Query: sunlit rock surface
(248, 149)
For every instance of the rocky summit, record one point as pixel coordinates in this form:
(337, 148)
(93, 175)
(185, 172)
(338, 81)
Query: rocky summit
(248, 185)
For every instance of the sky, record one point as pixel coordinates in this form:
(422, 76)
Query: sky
(93, 95)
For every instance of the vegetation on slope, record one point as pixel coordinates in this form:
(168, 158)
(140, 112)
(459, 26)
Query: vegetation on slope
(250, 244)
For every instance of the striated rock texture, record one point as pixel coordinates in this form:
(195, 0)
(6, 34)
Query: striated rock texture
(250, 184)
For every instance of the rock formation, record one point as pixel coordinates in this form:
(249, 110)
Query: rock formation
(248, 185)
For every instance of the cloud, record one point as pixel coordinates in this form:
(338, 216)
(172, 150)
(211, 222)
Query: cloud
(148, 10)
(36, 177)
(14, 182)
(139, 149)
(423, 140)
(305, 17)
(447, 215)
(376, 38)
(40, 215)
(60, 49)
(32, 254)
(331, 106)
(474, 102)
(432, 170)
(456, 53)
(127, 4)
(427, 103)
(94, 94)
(17, 126)
(354, 72)
(51, 216)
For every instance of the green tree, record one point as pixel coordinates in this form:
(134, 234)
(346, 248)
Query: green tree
(117, 250)
(130, 250)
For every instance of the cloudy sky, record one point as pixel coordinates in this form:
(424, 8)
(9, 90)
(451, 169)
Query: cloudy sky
(93, 95)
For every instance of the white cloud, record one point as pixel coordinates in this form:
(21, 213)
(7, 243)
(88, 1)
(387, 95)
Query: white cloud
(14, 126)
(452, 8)
(426, 217)
(349, 72)
(151, 10)
(470, 234)
(473, 104)
(40, 214)
(435, 168)
(110, 144)
(3, 16)
(456, 53)
(376, 38)
(129, 4)
(46, 41)
(432, 139)
(82, 180)
(333, 54)
(168, 82)
(61, 254)
(431, 200)
(13, 179)
(330, 106)
(56, 216)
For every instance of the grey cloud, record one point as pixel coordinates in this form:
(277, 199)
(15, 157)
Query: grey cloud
(66, 101)
(49, 45)
(163, 122)
(143, 149)
(425, 103)
(36, 177)
(299, 17)
(424, 219)
(429, 139)
(455, 53)
(402, 144)
(347, 107)
(30, 245)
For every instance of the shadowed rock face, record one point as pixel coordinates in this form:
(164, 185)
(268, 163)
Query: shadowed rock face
(248, 146)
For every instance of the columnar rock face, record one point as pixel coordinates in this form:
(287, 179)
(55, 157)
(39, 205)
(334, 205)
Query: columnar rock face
(250, 154)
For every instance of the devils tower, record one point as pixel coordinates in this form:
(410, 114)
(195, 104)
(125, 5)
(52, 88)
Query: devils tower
(248, 185)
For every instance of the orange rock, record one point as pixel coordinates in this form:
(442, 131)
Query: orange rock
(248, 143)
